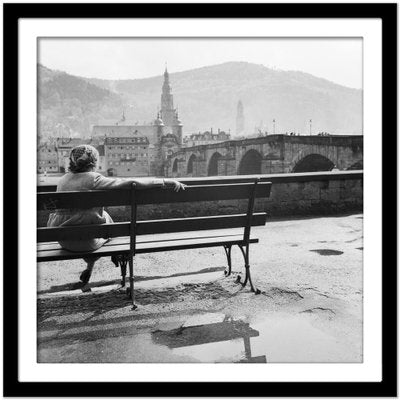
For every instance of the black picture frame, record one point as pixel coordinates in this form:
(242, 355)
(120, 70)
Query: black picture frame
(12, 387)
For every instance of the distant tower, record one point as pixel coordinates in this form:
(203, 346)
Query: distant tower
(168, 114)
(239, 118)
(167, 102)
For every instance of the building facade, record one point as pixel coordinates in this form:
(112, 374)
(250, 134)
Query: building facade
(127, 156)
(163, 135)
(125, 148)
(207, 137)
(47, 159)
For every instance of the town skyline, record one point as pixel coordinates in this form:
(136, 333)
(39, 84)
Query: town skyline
(206, 98)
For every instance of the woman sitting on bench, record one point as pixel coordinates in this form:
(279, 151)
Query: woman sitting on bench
(82, 177)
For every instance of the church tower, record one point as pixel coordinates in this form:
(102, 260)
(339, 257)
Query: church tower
(239, 118)
(167, 103)
(168, 128)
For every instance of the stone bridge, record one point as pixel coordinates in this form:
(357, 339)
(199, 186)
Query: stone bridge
(272, 154)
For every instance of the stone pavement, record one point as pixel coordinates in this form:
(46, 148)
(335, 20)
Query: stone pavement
(309, 272)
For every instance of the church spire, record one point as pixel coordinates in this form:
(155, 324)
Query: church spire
(166, 74)
(167, 103)
(239, 118)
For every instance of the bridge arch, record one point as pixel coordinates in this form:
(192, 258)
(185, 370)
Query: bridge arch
(175, 165)
(313, 163)
(192, 158)
(250, 163)
(212, 169)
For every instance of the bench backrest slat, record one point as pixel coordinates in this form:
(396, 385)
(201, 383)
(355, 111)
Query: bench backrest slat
(82, 232)
(209, 180)
(82, 200)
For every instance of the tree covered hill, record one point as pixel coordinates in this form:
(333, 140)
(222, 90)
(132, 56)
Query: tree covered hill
(206, 98)
(70, 105)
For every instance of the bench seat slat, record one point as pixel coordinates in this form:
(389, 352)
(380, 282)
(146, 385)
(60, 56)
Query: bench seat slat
(155, 238)
(82, 232)
(54, 252)
(103, 198)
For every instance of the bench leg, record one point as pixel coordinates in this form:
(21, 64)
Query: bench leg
(245, 251)
(228, 250)
(121, 261)
(132, 284)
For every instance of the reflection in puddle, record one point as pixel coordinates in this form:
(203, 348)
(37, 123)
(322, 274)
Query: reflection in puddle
(221, 341)
(327, 252)
(208, 338)
(281, 338)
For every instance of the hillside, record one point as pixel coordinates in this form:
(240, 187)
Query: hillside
(207, 97)
(69, 104)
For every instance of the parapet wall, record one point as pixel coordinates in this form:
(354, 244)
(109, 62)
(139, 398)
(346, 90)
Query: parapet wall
(292, 195)
(315, 194)
(302, 194)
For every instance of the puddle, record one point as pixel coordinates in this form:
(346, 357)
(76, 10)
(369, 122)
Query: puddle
(205, 338)
(295, 340)
(327, 252)
(221, 340)
(277, 339)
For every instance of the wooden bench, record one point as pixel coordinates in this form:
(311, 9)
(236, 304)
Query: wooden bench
(137, 237)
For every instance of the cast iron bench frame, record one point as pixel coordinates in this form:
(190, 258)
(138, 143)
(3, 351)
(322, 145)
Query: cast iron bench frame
(123, 244)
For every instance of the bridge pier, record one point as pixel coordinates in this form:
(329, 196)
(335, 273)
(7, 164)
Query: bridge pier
(200, 168)
(275, 167)
(226, 166)
(181, 167)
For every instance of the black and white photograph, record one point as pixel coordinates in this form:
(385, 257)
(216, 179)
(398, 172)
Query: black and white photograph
(207, 195)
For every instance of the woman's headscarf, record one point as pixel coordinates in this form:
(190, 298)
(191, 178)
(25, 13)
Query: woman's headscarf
(83, 158)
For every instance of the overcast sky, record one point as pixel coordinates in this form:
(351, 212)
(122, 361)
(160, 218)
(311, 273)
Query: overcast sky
(338, 60)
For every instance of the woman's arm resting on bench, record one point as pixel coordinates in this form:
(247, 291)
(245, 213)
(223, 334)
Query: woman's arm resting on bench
(102, 182)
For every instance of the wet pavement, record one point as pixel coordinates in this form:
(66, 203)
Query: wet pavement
(309, 310)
